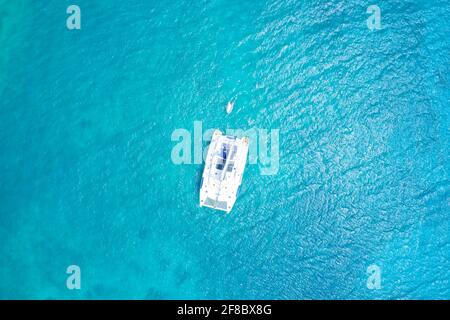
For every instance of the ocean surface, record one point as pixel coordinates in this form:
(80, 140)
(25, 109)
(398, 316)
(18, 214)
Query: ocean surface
(87, 176)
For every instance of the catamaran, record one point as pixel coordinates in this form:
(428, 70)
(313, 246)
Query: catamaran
(224, 167)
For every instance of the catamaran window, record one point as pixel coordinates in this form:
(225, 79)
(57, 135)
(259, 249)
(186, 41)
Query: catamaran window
(233, 152)
(220, 164)
(225, 150)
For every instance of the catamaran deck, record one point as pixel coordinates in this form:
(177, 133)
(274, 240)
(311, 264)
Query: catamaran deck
(224, 168)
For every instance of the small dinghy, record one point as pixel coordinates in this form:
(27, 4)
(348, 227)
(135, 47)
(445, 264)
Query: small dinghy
(224, 168)
(230, 106)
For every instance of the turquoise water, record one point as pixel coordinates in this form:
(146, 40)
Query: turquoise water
(86, 175)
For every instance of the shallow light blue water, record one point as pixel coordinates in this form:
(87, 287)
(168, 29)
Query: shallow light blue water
(86, 175)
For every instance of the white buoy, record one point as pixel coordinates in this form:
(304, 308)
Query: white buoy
(230, 106)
